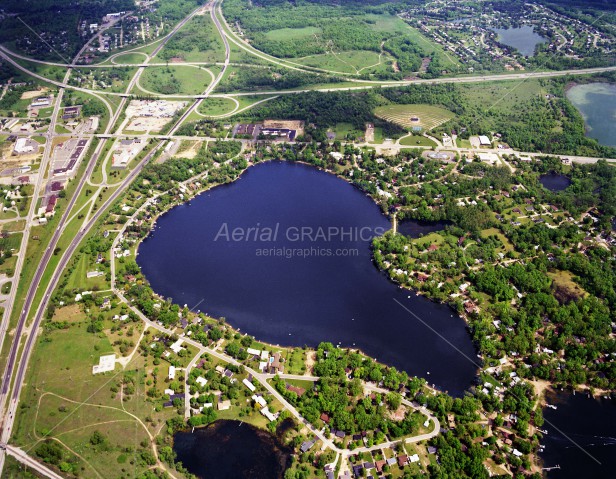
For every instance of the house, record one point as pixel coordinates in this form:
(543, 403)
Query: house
(224, 405)
(260, 400)
(171, 373)
(432, 450)
(296, 389)
(249, 385)
(325, 418)
(306, 446)
(270, 416)
(433, 247)
(414, 458)
(275, 364)
(403, 460)
(379, 465)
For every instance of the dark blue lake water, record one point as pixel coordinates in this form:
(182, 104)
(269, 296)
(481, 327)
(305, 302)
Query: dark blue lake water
(332, 292)
(231, 450)
(581, 437)
(555, 181)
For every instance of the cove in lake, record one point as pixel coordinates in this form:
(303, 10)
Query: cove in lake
(524, 39)
(555, 181)
(591, 423)
(339, 297)
(231, 449)
(596, 102)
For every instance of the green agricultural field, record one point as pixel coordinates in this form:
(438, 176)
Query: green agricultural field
(172, 80)
(427, 116)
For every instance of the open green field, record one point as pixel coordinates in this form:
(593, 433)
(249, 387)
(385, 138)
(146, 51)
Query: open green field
(352, 62)
(133, 58)
(172, 80)
(503, 95)
(416, 140)
(217, 106)
(282, 34)
(64, 401)
(78, 278)
(344, 130)
(428, 116)
(197, 41)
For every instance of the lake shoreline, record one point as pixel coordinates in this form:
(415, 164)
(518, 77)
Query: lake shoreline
(417, 293)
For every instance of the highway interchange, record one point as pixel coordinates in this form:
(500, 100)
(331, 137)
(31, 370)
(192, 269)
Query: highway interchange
(31, 313)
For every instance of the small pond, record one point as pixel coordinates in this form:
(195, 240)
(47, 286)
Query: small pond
(524, 39)
(230, 450)
(555, 181)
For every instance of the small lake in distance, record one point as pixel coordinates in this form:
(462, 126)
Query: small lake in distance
(286, 298)
(555, 181)
(596, 102)
(524, 39)
(230, 450)
(581, 434)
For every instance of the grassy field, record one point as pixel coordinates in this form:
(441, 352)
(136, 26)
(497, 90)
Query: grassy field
(502, 95)
(79, 279)
(197, 41)
(342, 130)
(175, 80)
(352, 62)
(134, 58)
(416, 140)
(507, 246)
(217, 106)
(429, 116)
(63, 400)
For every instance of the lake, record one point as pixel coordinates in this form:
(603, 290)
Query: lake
(231, 449)
(596, 102)
(555, 181)
(523, 38)
(581, 432)
(289, 290)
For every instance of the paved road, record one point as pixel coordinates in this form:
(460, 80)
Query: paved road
(23, 457)
(362, 85)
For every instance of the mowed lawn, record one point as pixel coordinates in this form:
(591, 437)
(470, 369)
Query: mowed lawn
(176, 79)
(416, 140)
(429, 116)
(79, 276)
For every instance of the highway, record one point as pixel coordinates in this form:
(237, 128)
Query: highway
(363, 85)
